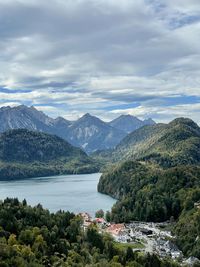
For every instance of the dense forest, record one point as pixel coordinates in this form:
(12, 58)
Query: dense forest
(33, 237)
(25, 153)
(150, 194)
(166, 144)
(160, 180)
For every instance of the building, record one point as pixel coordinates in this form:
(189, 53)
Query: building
(87, 219)
(100, 220)
(86, 216)
(145, 231)
(116, 229)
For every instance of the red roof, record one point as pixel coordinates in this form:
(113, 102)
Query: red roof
(100, 220)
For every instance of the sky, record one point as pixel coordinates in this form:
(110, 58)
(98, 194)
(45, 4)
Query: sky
(105, 57)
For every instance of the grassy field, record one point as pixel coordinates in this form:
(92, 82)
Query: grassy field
(131, 245)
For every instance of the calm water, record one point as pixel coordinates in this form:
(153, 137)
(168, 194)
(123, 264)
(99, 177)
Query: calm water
(68, 192)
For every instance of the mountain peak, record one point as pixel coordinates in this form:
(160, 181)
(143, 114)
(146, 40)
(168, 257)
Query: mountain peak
(127, 117)
(129, 123)
(33, 108)
(5, 108)
(184, 121)
(87, 115)
(149, 121)
(61, 120)
(21, 107)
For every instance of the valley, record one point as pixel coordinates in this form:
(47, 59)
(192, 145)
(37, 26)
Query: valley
(149, 177)
(99, 133)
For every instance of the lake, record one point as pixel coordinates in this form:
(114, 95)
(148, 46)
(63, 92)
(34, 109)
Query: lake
(76, 193)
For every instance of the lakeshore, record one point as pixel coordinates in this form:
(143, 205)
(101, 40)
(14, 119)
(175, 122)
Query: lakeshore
(74, 193)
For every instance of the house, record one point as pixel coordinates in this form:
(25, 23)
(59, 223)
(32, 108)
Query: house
(176, 254)
(85, 216)
(116, 229)
(146, 231)
(87, 219)
(100, 221)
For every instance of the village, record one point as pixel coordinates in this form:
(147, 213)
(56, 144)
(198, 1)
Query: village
(141, 236)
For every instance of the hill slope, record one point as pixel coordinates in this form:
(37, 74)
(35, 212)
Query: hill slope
(26, 153)
(168, 144)
(160, 178)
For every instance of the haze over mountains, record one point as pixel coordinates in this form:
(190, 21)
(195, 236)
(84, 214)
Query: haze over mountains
(88, 132)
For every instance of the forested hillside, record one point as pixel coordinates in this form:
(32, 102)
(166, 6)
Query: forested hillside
(168, 144)
(25, 153)
(160, 180)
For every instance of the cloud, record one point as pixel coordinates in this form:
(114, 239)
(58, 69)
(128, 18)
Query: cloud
(74, 56)
(163, 114)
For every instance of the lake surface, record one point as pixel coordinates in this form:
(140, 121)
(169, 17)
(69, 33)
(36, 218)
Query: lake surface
(76, 193)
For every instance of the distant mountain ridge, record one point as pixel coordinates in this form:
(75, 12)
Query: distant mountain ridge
(129, 123)
(89, 132)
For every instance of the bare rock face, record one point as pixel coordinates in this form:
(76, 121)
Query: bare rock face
(93, 134)
(24, 117)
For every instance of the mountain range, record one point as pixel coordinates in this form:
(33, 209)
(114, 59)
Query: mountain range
(89, 132)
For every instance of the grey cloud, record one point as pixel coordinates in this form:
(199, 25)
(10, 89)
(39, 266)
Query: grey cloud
(71, 47)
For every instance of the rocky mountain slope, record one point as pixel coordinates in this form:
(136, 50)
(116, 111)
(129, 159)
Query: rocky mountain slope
(88, 132)
(129, 123)
(93, 134)
(24, 117)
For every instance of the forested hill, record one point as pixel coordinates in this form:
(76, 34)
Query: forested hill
(27, 146)
(160, 180)
(168, 144)
(25, 153)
